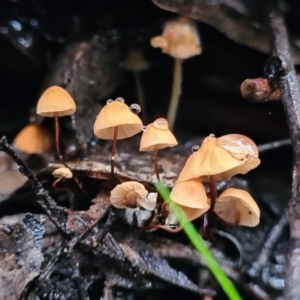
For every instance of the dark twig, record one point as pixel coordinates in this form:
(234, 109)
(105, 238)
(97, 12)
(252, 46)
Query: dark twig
(55, 212)
(273, 145)
(282, 72)
(273, 237)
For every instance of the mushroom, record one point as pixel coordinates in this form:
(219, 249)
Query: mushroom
(181, 41)
(136, 63)
(237, 207)
(219, 159)
(117, 121)
(33, 139)
(132, 194)
(56, 102)
(190, 193)
(157, 136)
(61, 173)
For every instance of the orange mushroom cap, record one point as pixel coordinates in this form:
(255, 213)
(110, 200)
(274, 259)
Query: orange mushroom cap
(157, 136)
(212, 159)
(33, 139)
(190, 193)
(117, 113)
(179, 39)
(55, 101)
(236, 206)
(132, 194)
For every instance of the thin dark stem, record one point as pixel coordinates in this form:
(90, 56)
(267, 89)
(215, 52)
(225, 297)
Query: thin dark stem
(284, 76)
(209, 216)
(57, 138)
(155, 160)
(113, 151)
(55, 212)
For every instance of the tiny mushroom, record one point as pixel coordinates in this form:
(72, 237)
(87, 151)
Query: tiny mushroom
(190, 195)
(33, 139)
(61, 173)
(237, 207)
(132, 194)
(136, 63)
(117, 121)
(181, 41)
(56, 102)
(157, 136)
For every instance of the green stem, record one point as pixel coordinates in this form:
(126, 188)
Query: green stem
(200, 245)
(176, 91)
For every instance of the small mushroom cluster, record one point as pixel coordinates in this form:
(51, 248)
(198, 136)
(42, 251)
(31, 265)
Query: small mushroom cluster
(217, 159)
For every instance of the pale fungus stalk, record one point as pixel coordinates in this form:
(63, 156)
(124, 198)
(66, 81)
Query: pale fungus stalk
(176, 91)
(136, 63)
(181, 41)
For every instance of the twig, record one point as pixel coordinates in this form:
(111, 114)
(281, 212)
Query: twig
(55, 212)
(273, 145)
(284, 75)
(264, 255)
(259, 90)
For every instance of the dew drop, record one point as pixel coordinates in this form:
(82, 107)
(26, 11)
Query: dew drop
(109, 101)
(161, 123)
(212, 135)
(195, 148)
(135, 108)
(144, 128)
(120, 99)
(113, 157)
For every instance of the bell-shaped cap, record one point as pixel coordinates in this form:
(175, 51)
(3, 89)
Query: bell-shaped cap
(190, 193)
(191, 214)
(212, 159)
(62, 172)
(117, 114)
(33, 139)
(179, 39)
(237, 207)
(157, 136)
(55, 101)
(132, 194)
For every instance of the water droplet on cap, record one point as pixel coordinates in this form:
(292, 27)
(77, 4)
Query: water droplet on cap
(120, 99)
(135, 108)
(144, 128)
(195, 148)
(161, 123)
(109, 101)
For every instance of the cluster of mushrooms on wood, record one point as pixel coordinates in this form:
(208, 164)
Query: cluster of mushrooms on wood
(215, 160)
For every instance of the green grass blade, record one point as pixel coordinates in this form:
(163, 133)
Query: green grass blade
(200, 245)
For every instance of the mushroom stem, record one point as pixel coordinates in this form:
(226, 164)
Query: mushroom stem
(140, 95)
(164, 227)
(156, 170)
(213, 196)
(57, 138)
(176, 90)
(113, 150)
